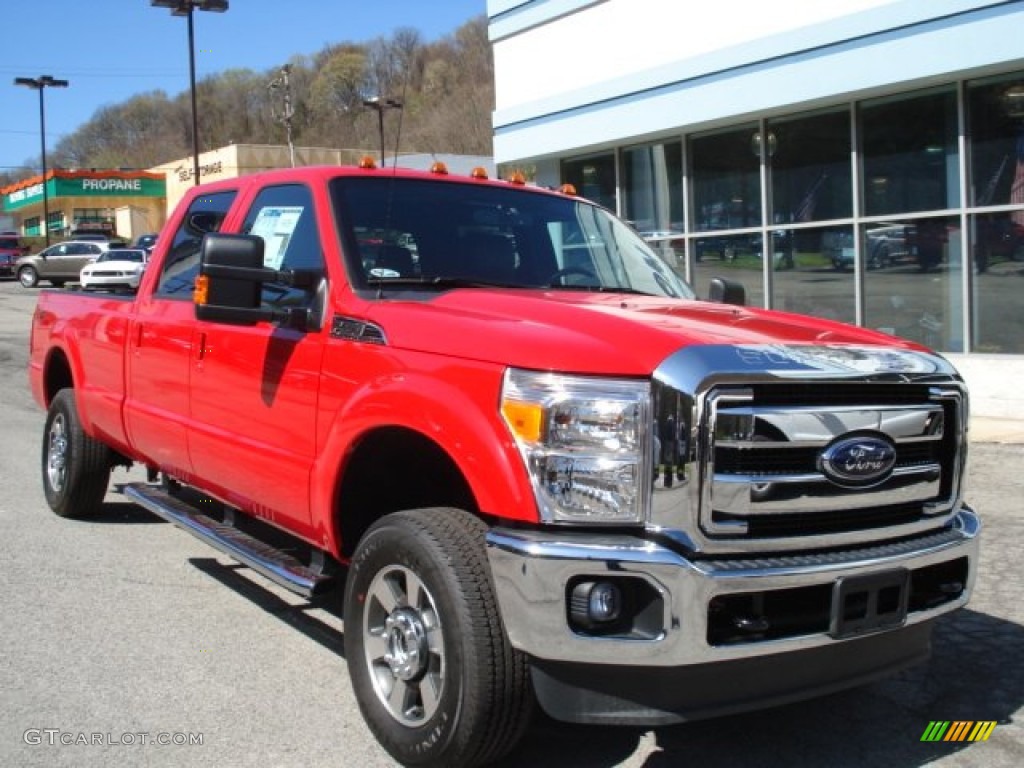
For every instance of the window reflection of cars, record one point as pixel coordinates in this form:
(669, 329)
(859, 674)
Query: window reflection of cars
(885, 245)
(117, 268)
(999, 238)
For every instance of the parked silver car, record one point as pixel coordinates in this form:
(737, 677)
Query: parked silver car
(60, 263)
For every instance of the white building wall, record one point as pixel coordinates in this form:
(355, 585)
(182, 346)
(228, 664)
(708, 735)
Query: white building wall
(607, 40)
(572, 76)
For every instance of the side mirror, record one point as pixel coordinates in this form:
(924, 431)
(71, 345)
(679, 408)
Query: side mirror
(724, 291)
(229, 288)
(231, 278)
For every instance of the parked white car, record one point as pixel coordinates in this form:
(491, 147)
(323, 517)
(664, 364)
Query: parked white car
(115, 268)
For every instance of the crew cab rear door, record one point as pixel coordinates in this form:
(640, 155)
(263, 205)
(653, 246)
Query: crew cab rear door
(253, 390)
(160, 355)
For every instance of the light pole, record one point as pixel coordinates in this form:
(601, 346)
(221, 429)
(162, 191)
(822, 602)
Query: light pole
(185, 8)
(40, 84)
(380, 105)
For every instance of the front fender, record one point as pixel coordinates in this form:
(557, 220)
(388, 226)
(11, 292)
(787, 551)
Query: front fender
(454, 405)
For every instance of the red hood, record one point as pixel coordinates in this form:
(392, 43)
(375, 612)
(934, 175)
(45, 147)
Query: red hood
(592, 333)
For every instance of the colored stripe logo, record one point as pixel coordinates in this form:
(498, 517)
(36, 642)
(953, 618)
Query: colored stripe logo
(958, 730)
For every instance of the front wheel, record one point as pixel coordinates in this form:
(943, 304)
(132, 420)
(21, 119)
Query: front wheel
(28, 277)
(76, 468)
(431, 666)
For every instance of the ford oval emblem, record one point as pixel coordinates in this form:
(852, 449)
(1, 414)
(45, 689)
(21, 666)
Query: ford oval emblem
(858, 461)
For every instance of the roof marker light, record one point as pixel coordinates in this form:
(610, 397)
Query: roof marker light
(367, 163)
(567, 189)
(439, 168)
(479, 172)
(517, 177)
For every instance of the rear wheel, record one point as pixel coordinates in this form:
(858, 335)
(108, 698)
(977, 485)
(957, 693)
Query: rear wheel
(76, 468)
(28, 277)
(431, 666)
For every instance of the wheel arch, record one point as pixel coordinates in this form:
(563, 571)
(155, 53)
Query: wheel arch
(57, 374)
(415, 442)
(392, 469)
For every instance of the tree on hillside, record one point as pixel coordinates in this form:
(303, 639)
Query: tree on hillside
(446, 88)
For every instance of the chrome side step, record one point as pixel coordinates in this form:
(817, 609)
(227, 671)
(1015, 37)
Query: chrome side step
(280, 567)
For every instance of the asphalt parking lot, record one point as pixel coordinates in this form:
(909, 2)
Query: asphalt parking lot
(122, 629)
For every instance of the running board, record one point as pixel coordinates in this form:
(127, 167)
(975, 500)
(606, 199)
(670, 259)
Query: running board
(278, 566)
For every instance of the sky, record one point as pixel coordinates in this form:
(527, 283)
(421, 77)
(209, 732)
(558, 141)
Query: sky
(110, 50)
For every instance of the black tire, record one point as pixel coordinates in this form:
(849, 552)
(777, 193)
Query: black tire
(28, 277)
(76, 468)
(431, 666)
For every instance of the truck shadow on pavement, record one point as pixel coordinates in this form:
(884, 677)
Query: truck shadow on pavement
(973, 674)
(294, 611)
(123, 513)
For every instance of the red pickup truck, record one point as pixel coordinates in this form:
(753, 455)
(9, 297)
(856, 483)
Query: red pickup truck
(532, 464)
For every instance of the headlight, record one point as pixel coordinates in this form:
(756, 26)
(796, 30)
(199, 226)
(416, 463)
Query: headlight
(586, 444)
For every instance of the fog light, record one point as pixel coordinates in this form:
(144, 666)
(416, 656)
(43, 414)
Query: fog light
(593, 603)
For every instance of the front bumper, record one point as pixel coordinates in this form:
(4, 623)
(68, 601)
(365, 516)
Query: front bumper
(534, 572)
(680, 665)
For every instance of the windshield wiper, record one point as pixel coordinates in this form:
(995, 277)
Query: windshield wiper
(598, 289)
(442, 282)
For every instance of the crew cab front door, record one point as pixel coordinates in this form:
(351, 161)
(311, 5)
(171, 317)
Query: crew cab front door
(253, 390)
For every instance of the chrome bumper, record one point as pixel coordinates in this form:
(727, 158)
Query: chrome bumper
(532, 572)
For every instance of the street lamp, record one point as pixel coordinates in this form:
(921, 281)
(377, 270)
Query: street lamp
(380, 105)
(185, 8)
(40, 84)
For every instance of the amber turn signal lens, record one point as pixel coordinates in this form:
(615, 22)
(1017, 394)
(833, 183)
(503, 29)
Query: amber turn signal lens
(201, 292)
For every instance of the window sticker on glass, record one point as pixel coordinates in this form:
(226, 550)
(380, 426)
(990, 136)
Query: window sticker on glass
(275, 224)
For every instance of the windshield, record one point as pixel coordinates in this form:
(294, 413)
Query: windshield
(9, 244)
(121, 255)
(399, 232)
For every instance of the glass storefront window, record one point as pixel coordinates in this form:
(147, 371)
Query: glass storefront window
(910, 156)
(811, 272)
(912, 280)
(726, 179)
(997, 242)
(652, 186)
(594, 178)
(809, 159)
(996, 128)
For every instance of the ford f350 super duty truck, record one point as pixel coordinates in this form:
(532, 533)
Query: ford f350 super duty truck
(536, 467)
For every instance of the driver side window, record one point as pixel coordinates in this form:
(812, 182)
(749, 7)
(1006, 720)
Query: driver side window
(283, 216)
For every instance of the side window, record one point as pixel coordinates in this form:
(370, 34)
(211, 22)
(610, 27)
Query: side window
(181, 265)
(283, 216)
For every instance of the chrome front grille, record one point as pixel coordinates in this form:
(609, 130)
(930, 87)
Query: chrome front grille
(793, 447)
(764, 470)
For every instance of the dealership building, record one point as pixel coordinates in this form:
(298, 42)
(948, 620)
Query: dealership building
(860, 160)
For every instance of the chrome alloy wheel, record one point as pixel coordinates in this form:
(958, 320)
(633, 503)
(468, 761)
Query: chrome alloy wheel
(57, 454)
(403, 645)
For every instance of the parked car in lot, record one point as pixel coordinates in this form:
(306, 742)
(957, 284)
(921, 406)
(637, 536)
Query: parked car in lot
(145, 242)
(60, 263)
(116, 268)
(11, 249)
